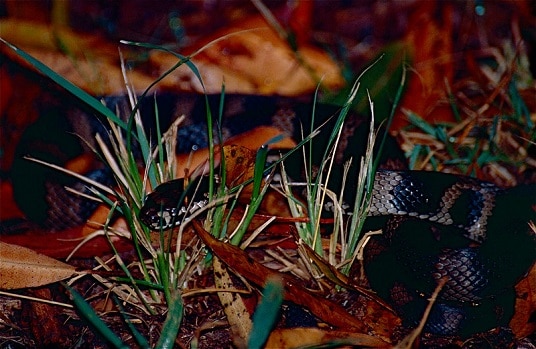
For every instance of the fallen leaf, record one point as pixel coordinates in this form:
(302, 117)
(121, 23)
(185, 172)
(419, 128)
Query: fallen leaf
(98, 73)
(46, 322)
(197, 162)
(339, 278)
(304, 337)
(21, 267)
(238, 260)
(253, 60)
(239, 167)
(525, 308)
(60, 244)
(239, 164)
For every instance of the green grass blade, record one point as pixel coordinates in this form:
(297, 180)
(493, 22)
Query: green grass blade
(87, 312)
(172, 323)
(416, 120)
(266, 314)
(145, 148)
(210, 138)
(521, 111)
(140, 283)
(398, 97)
(67, 85)
(162, 267)
(452, 102)
(254, 205)
(216, 214)
(160, 146)
(138, 337)
(258, 171)
(182, 60)
(221, 109)
(414, 156)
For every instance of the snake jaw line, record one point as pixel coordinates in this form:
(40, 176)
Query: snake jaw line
(170, 218)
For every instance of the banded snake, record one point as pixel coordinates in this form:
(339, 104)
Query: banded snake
(435, 224)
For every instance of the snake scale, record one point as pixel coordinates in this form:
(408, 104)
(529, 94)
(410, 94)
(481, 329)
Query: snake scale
(435, 225)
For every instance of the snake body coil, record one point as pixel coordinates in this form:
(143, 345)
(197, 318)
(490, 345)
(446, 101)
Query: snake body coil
(445, 226)
(436, 226)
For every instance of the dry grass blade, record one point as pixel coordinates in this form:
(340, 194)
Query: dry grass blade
(169, 141)
(74, 174)
(407, 342)
(233, 305)
(110, 160)
(100, 232)
(256, 233)
(34, 299)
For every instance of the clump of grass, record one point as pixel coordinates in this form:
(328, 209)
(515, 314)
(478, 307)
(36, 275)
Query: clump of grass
(347, 232)
(155, 282)
(163, 271)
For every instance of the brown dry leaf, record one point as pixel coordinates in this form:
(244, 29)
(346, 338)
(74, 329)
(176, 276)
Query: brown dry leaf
(239, 164)
(21, 267)
(525, 305)
(252, 139)
(26, 33)
(46, 322)
(239, 167)
(376, 313)
(238, 260)
(91, 63)
(302, 337)
(334, 275)
(60, 244)
(257, 61)
(98, 76)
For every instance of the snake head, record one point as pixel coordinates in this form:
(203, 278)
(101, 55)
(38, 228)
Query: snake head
(170, 204)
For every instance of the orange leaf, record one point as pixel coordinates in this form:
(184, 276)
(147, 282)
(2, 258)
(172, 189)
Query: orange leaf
(252, 139)
(430, 40)
(304, 337)
(239, 164)
(238, 260)
(525, 305)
